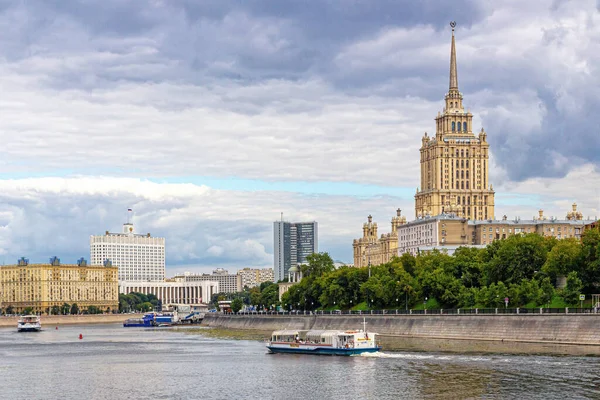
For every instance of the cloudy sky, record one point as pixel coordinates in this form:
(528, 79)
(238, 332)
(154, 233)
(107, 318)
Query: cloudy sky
(209, 118)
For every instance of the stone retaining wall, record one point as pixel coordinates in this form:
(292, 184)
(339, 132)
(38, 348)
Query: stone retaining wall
(72, 319)
(559, 329)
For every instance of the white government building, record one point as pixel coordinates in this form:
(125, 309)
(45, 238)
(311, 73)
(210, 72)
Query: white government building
(174, 292)
(140, 258)
(141, 264)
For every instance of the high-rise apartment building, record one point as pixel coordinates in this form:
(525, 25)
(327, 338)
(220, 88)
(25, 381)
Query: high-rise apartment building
(293, 242)
(140, 258)
(455, 163)
(253, 277)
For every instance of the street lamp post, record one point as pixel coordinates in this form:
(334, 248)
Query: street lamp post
(425, 304)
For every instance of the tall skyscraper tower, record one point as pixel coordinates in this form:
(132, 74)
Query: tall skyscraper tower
(455, 163)
(140, 258)
(293, 242)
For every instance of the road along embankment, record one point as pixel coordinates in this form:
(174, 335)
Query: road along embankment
(51, 320)
(573, 329)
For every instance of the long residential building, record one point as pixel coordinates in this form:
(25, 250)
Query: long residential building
(43, 286)
(293, 242)
(227, 283)
(140, 258)
(448, 231)
(251, 277)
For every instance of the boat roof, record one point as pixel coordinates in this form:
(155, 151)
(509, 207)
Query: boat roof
(285, 332)
(322, 333)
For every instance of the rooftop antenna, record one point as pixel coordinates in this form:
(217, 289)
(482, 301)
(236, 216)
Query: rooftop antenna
(282, 217)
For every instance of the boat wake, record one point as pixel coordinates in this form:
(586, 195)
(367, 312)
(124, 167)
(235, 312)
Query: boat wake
(413, 356)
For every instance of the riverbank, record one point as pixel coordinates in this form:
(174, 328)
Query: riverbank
(49, 320)
(573, 329)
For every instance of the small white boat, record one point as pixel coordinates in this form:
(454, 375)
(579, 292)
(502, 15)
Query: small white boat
(325, 342)
(29, 323)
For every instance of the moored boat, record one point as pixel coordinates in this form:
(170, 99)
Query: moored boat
(323, 342)
(152, 319)
(29, 323)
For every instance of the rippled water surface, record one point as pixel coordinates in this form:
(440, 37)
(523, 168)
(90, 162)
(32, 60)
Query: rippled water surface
(112, 362)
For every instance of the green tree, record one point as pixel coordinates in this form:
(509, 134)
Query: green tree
(270, 295)
(515, 258)
(317, 265)
(65, 308)
(145, 306)
(55, 310)
(546, 292)
(93, 310)
(236, 305)
(573, 289)
(590, 252)
(409, 263)
(74, 309)
(10, 310)
(28, 311)
(255, 295)
(564, 257)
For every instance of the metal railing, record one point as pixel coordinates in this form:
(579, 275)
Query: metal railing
(449, 311)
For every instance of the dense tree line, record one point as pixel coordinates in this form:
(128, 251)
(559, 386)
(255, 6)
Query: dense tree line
(263, 297)
(522, 268)
(135, 301)
(65, 309)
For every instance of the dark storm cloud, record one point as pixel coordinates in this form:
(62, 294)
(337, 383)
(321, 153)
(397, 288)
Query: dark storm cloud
(391, 49)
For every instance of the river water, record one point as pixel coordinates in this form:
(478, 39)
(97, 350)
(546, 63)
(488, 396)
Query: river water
(112, 362)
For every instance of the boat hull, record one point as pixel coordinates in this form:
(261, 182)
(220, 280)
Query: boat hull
(29, 328)
(325, 351)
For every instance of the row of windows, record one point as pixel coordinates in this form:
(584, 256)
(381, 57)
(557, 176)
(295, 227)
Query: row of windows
(456, 126)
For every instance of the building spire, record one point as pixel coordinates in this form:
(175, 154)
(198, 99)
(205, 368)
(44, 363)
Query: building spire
(453, 73)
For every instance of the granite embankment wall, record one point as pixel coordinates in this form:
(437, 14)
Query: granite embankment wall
(72, 319)
(559, 329)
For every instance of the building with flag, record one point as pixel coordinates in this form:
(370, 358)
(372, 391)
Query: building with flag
(139, 257)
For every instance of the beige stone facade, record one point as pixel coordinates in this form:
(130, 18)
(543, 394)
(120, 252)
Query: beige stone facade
(42, 286)
(449, 231)
(455, 162)
(374, 250)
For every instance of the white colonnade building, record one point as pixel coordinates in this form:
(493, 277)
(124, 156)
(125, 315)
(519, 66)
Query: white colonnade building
(174, 292)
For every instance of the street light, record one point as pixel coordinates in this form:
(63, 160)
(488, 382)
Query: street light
(425, 303)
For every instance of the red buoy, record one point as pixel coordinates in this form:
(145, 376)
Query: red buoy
(80, 336)
(57, 328)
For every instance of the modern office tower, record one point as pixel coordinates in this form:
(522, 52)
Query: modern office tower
(455, 162)
(140, 258)
(293, 242)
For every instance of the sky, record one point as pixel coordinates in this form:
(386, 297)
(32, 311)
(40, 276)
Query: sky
(210, 118)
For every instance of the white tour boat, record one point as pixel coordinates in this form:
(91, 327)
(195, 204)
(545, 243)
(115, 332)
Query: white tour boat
(29, 323)
(325, 342)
